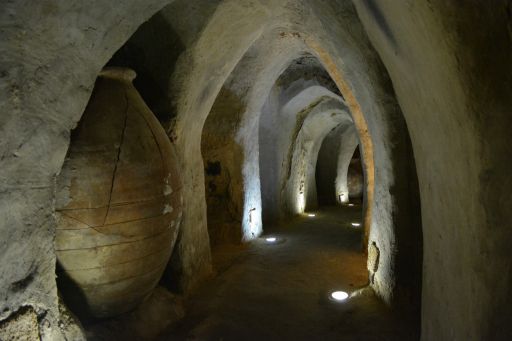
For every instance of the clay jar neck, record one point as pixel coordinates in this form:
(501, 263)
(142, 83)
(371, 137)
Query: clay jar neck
(123, 74)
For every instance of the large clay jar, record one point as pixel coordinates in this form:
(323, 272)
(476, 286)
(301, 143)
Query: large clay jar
(119, 201)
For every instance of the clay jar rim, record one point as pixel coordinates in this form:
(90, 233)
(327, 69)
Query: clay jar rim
(119, 73)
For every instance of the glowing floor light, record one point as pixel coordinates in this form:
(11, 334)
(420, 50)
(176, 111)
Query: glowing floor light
(311, 215)
(351, 204)
(339, 296)
(271, 239)
(356, 224)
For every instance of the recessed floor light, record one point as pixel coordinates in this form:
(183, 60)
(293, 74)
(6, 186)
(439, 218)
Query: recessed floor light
(338, 296)
(356, 224)
(311, 215)
(351, 204)
(273, 240)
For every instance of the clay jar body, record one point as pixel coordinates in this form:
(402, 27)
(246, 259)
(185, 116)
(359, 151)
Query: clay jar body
(119, 201)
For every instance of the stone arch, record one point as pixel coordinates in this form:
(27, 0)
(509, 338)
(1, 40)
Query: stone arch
(373, 99)
(275, 150)
(247, 88)
(48, 73)
(300, 186)
(333, 163)
(42, 121)
(348, 144)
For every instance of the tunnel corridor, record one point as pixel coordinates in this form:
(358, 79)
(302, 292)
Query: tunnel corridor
(255, 169)
(281, 290)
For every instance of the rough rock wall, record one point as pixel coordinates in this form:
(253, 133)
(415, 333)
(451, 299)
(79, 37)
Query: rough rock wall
(223, 159)
(201, 72)
(216, 51)
(334, 183)
(251, 81)
(51, 54)
(286, 109)
(300, 192)
(162, 52)
(450, 66)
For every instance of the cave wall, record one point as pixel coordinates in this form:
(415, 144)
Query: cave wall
(355, 179)
(336, 178)
(48, 73)
(249, 85)
(300, 184)
(223, 160)
(348, 143)
(327, 167)
(375, 114)
(220, 47)
(449, 62)
(220, 44)
(52, 52)
(288, 111)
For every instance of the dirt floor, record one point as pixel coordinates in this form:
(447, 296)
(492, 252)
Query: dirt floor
(280, 291)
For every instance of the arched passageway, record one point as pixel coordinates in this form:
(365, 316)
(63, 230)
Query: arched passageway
(272, 69)
(335, 181)
(246, 93)
(326, 169)
(355, 177)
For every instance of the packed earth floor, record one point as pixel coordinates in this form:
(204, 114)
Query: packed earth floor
(280, 291)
